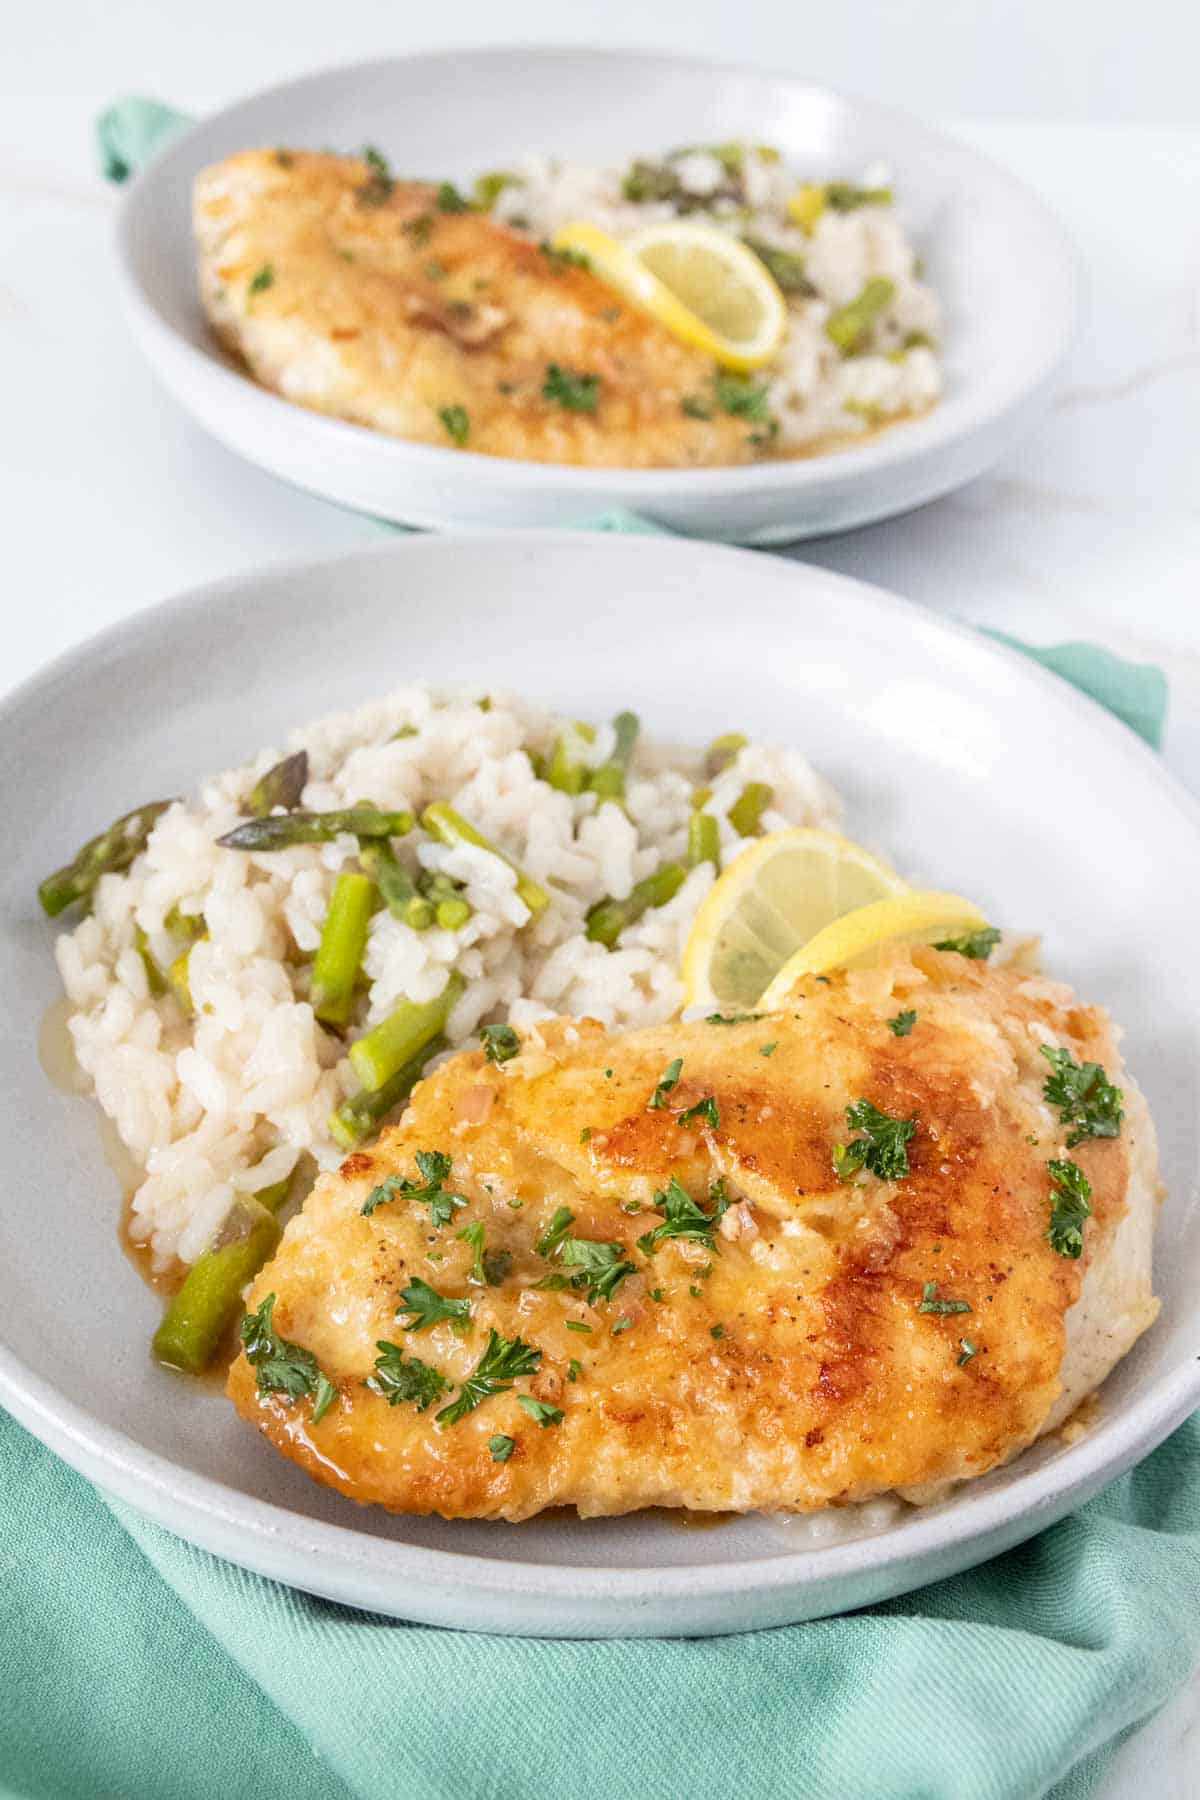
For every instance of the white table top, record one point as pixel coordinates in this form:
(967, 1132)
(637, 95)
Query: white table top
(113, 498)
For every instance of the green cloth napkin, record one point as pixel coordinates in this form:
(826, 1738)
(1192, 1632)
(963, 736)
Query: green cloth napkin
(139, 1668)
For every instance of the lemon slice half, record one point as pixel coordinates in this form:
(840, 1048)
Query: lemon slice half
(702, 285)
(920, 916)
(773, 901)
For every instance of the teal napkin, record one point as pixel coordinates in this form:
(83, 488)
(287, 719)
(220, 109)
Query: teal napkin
(139, 1668)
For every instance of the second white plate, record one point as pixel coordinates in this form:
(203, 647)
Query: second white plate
(993, 252)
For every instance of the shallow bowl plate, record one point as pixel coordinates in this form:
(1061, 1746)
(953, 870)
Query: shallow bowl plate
(995, 255)
(975, 769)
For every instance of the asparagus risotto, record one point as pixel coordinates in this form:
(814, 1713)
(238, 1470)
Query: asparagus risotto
(265, 970)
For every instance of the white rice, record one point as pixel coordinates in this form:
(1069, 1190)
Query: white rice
(814, 393)
(229, 1099)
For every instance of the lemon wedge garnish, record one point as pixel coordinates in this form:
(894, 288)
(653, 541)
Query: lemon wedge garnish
(779, 895)
(920, 916)
(702, 285)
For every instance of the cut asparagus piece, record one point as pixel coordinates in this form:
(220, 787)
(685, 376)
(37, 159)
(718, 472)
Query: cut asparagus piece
(394, 883)
(340, 951)
(608, 918)
(850, 326)
(396, 1040)
(722, 751)
(107, 854)
(745, 815)
(703, 840)
(609, 779)
(280, 786)
(282, 830)
(359, 1116)
(442, 822)
(203, 1310)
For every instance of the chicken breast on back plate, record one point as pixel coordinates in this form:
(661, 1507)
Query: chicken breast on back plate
(707, 1316)
(369, 299)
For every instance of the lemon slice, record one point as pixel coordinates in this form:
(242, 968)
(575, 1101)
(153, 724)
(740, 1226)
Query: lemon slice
(920, 916)
(702, 285)
(779, 895)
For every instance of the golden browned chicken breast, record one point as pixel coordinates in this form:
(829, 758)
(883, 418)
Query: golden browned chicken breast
(375, 301)
(776, 1262)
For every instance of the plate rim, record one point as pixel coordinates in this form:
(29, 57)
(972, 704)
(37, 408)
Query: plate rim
(1043, 1494)
(906, 443)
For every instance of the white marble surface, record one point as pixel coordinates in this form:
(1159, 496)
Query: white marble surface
(112, 498)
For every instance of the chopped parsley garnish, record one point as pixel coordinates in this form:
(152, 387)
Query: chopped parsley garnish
(472, 1235)
(419, 229)
(282, 1367)
(902, 1024)
(705, 1109)
(585, 1136)
(261, 280)
(768, 1049)
(565, 258)
(931, 1304)
(501, 1446)
(1087, 1100)
(602, 1266)
(379, 183)
(427, 1306)
(716, 1331)
(449, 200)
(496, 1264)
(433, 1167)
(682, 1218)
(666, 1081)
(967, 1350)
(400, 1378)
(740, 396)
(719, 1198)
(500, 1043)
(732, 1018)
(457, 421)
(560, 1223)
(978, 945)
(575, 1367)
(882, 1147)
(571, 388)
(540, 1410)
(502, 1361)
(620, 1325)
(695, 406)
(1070, 1205)
(577, 1325)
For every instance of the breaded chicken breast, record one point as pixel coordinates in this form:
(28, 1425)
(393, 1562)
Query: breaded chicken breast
(669, 1268)
(375, 301)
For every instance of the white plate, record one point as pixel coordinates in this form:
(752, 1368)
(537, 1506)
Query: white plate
(993, 252)
(976, 769)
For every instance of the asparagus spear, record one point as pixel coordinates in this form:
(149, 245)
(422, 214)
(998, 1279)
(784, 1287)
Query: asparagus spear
(442, 822)
(609, 779)
(107, 854)
(357, 1117)
(703, 840)
(608, 918)
(850, 325)
(394, 883)
(722, 751)
(396, 1040)
(745, 815)
(281, 830)
(200, 1314)
(280, 786)
(340, 951)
